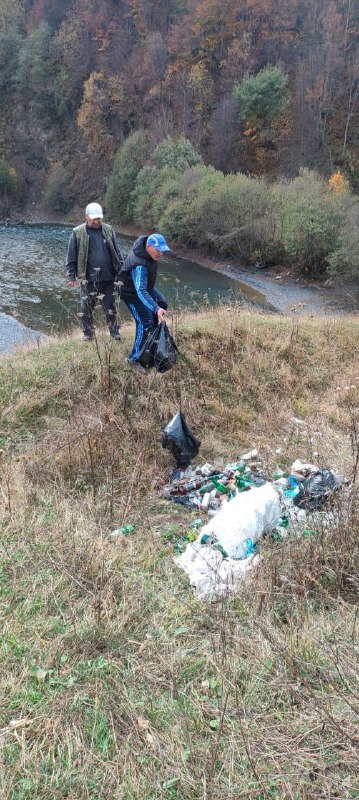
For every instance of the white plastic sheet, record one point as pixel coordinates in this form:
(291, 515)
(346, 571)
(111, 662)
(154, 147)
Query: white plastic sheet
(248, 515)
(211, 575)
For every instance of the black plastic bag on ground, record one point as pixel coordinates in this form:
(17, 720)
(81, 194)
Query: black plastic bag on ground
(158, 350)
(316, 490)
(178, 438)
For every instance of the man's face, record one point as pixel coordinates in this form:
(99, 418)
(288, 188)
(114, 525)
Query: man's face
(153, 252)
(94, 223)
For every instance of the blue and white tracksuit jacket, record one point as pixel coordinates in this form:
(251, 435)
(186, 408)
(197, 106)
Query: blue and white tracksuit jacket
(138, 276)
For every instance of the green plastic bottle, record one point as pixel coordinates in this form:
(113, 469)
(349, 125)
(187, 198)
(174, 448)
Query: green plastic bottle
(219, 486)
(127, 530)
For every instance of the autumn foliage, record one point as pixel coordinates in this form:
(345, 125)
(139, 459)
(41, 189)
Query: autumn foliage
(259, 89)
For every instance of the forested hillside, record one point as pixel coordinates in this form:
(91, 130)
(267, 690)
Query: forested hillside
(257, 86)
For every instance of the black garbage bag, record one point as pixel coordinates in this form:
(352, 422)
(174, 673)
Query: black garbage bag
(165, 355)
(316, 490)
(178, 438)
(158, 350)
(147, 352)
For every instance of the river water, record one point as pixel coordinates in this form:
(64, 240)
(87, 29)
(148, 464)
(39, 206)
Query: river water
(35, 300)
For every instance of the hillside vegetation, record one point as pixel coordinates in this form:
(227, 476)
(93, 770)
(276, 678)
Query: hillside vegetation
(256, 88)
(116, 683)
(227, 124)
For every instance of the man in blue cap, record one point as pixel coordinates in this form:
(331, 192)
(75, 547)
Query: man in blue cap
(138, 276)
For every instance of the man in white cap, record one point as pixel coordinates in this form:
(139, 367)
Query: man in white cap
(94, 259)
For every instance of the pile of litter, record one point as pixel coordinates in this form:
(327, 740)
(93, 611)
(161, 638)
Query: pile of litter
(240, 505)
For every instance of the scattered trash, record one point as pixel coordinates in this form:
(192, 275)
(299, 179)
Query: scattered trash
(125, 530)
(178, 438)
(241, 505)
(292, 487)
(211, 574)
(300, 470)
(250, 455)
(317, 488)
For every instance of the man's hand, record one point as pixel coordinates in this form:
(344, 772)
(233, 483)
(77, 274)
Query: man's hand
(161, 313)
(72, 283)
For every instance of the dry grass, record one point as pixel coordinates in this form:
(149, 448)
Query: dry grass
(116, 683)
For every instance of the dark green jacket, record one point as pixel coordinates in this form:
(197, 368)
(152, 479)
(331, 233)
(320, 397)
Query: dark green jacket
(82, 246)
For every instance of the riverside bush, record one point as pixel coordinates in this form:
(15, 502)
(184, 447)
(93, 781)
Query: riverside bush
(157, 185)
(310, 217)
(154, 187)
(176, 154)
(236, 217)
(129, 160)
(344, 261)
(305, 221)
(176, 215)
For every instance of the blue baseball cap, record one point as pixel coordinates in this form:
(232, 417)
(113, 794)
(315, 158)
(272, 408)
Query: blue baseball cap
(158, 241)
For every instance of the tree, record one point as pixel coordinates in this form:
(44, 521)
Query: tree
(59, 189)
(12, 14)
(177, 154)
(34, 72)
(263, 97)
(93, 113)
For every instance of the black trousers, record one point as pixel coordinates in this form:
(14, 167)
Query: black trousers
(103, 292)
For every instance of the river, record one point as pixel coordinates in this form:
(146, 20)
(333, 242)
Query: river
(35, 300)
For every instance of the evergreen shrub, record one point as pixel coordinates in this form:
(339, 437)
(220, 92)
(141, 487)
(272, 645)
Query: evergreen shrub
(159, 185)
(309, 222)
(129, 160)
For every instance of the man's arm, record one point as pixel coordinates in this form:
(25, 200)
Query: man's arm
(117, 247)
(71, 260)
(159, 299)
(140, 281)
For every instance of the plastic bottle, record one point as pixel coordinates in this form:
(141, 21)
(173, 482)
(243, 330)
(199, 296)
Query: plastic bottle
(127, 529)
(243, 483)
(207, 487)
(220, 485)
(190, 486)
(293, 487)
(245, 548)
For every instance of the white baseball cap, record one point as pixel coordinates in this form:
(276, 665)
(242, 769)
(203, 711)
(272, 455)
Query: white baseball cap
(94, 210)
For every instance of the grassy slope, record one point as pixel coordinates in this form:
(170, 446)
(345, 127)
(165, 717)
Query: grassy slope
(118, 684)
